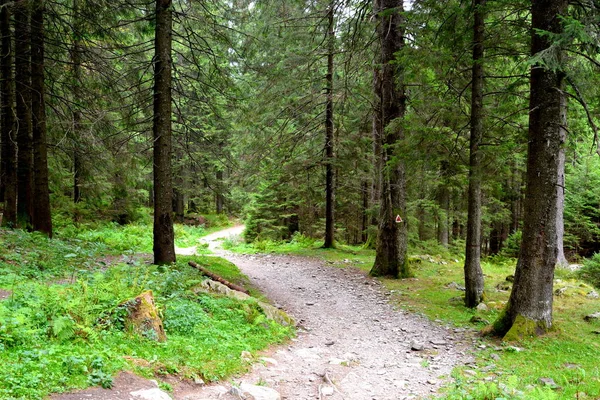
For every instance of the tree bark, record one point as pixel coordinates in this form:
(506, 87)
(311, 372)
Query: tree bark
(529, 308)
(164, 237)
(77, 132)
(23, 104)
(219, 198)
(473, 272)
(392, 237)
(561, 260)
(9, 148)
(42, 220)
(444, 205)
(329, 173)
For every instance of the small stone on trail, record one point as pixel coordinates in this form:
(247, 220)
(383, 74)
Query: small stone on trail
(329, 343)
(199, 381)
(482, 307)
(327, 391)
(150, 394)
(268, 360)
(414, 346)
(260, 392)
(310, 304)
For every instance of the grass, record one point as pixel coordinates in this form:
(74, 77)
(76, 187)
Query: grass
(569, 355)
(59, 322)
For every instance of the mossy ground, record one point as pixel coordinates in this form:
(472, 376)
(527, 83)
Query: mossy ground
(61, 328)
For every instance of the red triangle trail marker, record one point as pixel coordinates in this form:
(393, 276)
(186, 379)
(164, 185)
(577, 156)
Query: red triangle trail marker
(398, 219)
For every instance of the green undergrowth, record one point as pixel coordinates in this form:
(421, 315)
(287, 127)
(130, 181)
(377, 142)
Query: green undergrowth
(568, 355)
(137, 236)
(342, 255)
(61, 325)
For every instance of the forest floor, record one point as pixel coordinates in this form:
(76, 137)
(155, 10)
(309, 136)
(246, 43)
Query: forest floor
(352, 343)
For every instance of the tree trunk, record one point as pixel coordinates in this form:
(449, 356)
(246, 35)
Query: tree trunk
(77, 131)
(561, 260)
(329, 178)
(23, 102)
(42, 220)
(178, 204)
(9, 149)
(364, 220)
(164, 237)
(444, 205)
(219, 198)
(529, 308)
(473, 272)
(392, 237)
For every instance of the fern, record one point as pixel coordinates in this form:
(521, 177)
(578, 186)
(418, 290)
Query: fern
(63, 328)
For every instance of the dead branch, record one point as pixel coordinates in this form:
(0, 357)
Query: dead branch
(217, 278)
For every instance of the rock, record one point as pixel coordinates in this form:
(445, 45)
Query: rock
(246, 356)
(329, 343)
(504, 286)
(482, 307)
(510, 278)
(593, 295)
(199, 381)
(142, 317)
(415, 346)
(592, 317)
(259, 392)
(273, 313)
(560, 291)
(150, 394)
(495, 356)
(476, 319)
(438, 342)
(327, 391)
(454, 285)
(548, 382)
(268, 360)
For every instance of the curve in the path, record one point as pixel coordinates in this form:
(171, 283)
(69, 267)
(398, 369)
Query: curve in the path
(351, 341)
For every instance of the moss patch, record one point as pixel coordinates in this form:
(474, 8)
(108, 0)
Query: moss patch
(523, 328)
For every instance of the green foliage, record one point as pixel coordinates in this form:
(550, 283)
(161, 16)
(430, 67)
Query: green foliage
(512, 246)
(590, 272)
(56, 335)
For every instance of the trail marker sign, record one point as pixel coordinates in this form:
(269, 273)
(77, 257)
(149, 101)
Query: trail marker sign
(398, 219)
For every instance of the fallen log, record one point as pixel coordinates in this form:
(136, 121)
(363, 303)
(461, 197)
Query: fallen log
(217, 278)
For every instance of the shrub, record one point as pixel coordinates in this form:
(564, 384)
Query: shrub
(513, 245)
(590, 272)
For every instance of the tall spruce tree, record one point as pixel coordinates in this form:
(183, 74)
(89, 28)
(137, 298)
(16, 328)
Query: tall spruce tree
(473, 272)
(164, 236)
(529, 308)
(7, 109)
(392, 236)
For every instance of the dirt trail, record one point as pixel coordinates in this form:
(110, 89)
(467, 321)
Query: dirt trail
(352, 344)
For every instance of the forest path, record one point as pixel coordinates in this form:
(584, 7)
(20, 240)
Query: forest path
(352, 343)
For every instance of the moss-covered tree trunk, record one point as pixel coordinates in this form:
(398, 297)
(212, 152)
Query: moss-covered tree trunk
(529, 308)
(42, 220)
(472, 268)
(164, 236)
(392, 237)
(9, 149)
